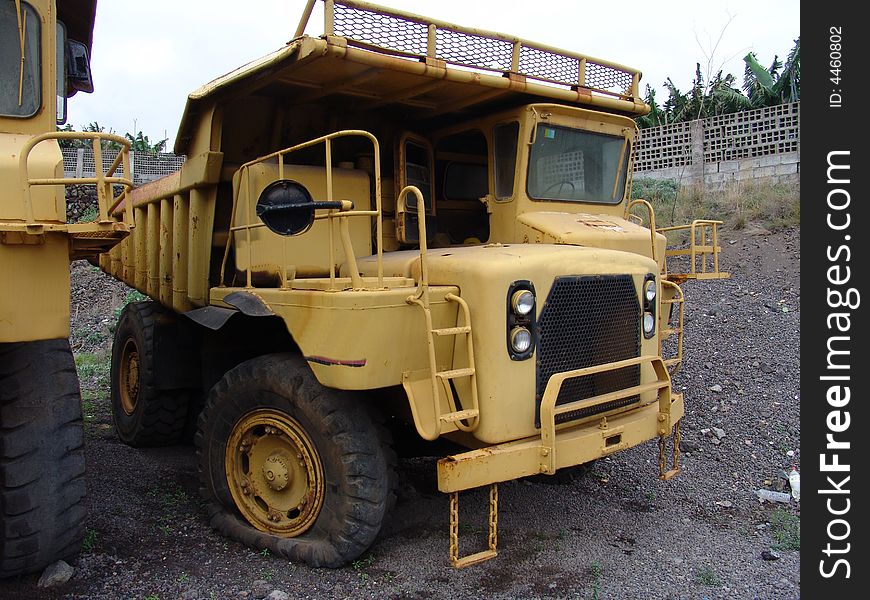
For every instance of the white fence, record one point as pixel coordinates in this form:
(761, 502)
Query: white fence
(756, 144)
(79, 162)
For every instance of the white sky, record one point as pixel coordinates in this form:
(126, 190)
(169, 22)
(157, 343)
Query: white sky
(147, 56)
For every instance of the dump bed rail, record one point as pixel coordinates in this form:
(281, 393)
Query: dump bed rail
(401, 33)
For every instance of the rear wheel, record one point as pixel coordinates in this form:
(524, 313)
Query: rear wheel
(42, 463)
(144, 414)
(291, 466)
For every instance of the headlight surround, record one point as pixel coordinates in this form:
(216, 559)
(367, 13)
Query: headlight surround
(522, 302)
(649, 290)
(520, 324)
(521, 340)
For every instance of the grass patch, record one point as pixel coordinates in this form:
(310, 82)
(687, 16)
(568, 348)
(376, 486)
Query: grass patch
(90, 540)
(786, 530)
(772, 205)
(132, 296)
(706, 575)
(595, 572)
(94, 373)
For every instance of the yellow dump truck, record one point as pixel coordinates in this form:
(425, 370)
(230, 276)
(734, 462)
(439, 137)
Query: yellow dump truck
(400, 219)
(44, 59)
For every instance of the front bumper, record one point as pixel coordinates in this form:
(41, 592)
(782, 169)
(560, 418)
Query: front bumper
(570, 444)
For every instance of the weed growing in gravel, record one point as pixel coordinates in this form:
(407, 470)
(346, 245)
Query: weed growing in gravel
(183, 578)
(595, 572)
(93, 369)
(152, 597)
(90, 540)
(132, 296)
(786, 530)
(361, 564)
(264, 553)
(706, 575)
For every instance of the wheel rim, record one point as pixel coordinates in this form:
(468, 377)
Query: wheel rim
(274, 473)
(129, 377)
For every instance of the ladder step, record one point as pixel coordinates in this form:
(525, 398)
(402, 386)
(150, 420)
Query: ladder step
(468, 372)
(460, 415)
(452, 330)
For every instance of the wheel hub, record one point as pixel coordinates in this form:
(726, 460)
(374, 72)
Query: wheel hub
(274, 473)
(129, 376)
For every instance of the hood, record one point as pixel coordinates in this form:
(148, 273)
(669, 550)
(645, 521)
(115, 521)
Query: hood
(585, 229)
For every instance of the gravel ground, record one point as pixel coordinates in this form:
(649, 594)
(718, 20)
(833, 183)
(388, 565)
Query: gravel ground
(618, 532)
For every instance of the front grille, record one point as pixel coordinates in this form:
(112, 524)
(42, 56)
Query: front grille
(588, 321)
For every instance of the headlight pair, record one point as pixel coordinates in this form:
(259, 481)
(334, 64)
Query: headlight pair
(521, 320)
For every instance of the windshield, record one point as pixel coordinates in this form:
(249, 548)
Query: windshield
(20, 86)
(577, 166)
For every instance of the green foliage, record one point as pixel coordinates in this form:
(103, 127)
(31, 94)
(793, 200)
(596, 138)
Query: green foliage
(138, 142)
(777, 84)
(132, 296)
(706, 575)
(90, 540)
(786, 530)
(773, 206)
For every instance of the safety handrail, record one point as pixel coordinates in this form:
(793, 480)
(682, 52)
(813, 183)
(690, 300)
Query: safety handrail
(675, 362)
(342, 214)
(698, 248)
(652, 221)
(102, 181)
(549, 410)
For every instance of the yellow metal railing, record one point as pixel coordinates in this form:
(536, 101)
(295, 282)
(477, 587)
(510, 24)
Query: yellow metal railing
(549, 411)
(106, 201)
(341, 215)
(676, 299)
(398, 32)
(702, 251)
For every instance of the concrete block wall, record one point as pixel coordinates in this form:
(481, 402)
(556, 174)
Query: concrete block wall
(759, 145)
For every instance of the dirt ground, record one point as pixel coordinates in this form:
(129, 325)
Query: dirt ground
(618, 532)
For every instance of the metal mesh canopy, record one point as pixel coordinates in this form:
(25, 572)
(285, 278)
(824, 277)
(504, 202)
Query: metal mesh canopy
(468, 48)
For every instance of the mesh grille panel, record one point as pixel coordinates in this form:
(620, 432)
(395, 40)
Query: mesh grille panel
(386, 31)
(589, 321)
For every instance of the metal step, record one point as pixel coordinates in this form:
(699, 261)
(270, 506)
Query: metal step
(460, 415)
(454, 373)
(452, 330)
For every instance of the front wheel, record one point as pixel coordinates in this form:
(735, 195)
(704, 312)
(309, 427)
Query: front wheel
(291, 466)
(42, 463)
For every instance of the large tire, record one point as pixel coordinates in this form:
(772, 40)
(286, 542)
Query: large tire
(270, 435)
(42, 463)
(144, 414)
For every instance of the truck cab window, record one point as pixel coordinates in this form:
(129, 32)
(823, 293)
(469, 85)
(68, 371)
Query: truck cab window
(461, 169)
(20, 82)
(577, 166)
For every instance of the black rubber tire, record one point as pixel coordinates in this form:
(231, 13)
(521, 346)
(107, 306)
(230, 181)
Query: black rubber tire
(158, 416)
(42, 463)
(358, 467)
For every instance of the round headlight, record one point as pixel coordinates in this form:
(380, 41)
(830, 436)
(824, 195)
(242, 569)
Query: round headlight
(649, 323)
(521, 340)
(522, 302)
(649, 290)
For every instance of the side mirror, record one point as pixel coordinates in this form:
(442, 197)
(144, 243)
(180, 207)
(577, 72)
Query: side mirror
(286, 207)
(78, 68)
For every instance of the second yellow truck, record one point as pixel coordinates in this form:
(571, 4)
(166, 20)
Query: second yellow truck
(404, 219)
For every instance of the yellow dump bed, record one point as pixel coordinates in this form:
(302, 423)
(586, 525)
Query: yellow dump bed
(378, 58)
